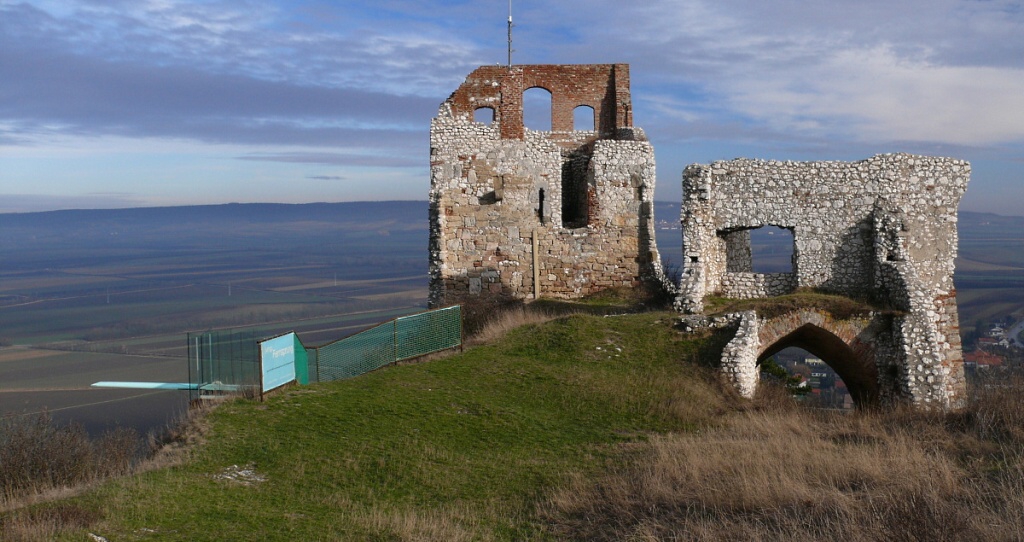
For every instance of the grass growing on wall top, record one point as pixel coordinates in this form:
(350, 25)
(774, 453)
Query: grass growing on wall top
(840, 307)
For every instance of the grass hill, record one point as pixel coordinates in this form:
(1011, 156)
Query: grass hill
(580, 428)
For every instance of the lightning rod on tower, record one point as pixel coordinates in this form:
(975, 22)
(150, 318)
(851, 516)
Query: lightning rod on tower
(510, 34)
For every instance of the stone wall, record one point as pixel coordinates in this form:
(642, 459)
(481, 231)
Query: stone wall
(883, 229)
(558, 213)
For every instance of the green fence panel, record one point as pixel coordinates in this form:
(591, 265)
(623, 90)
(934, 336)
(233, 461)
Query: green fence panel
(301, 363)
(231, 358)
(402, 338)
(357, 354)
(313, 363)
(428, 332)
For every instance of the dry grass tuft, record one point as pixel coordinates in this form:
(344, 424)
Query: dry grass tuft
(839, 306)
(37, 455)
(785, 473)
(997, 408)
(478, 310)
(178, 439)
(500, 323)
(45, 523)
(450, 523)
(43, 464)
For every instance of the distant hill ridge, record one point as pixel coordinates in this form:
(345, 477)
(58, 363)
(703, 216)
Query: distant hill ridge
(406, 210)
(228, 226)
(265, 212)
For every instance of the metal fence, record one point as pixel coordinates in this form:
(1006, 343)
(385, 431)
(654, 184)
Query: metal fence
(229, 360)
(223, 361)
(402, 338)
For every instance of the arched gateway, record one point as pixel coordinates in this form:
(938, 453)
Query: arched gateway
(857, 348)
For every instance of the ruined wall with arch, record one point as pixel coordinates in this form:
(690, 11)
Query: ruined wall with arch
(881, 229)
(556, 212)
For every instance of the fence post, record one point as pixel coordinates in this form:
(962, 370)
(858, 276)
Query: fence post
(188, 345)
(536, 266)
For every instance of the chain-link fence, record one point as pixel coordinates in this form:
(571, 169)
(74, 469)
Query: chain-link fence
(401, 338)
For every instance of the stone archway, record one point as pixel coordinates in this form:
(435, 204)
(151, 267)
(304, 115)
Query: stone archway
(859, 374)
(847, 345)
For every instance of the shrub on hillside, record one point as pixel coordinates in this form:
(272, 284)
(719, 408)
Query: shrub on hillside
(37, 454)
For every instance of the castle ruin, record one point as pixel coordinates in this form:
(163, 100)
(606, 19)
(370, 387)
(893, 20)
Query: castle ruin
(556, 213)
(565, 213)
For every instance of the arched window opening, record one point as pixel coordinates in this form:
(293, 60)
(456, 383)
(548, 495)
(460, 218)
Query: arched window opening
(583, 119)
(765, 249)
(537, 109)
(575, 205)
(484, 115)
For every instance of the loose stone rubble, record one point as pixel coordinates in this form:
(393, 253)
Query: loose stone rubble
(565, 213)
(245, 475)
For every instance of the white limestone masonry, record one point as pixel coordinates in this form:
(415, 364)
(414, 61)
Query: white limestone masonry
(584, 198)
(882, 229)
(564, 213)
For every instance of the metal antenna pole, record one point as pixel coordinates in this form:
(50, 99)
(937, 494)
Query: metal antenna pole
(510, 34)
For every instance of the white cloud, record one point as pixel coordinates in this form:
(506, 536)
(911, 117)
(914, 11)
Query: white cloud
(874, 94)
(868, 71)
(353, 84)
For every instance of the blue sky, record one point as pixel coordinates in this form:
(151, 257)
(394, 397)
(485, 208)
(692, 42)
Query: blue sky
(164, 102)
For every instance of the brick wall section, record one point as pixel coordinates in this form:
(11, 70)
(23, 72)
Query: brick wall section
(487, 181)
(604, 87)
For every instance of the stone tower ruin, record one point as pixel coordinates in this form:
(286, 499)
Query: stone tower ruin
(556, 213)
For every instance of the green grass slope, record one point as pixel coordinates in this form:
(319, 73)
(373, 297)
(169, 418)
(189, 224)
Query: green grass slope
(583, 428)
(461, 448)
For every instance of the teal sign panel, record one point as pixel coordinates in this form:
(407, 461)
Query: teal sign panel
(277, 361)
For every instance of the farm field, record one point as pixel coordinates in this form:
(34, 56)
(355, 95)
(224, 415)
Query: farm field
(35, 379)
(109, 295)
(990, 268)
